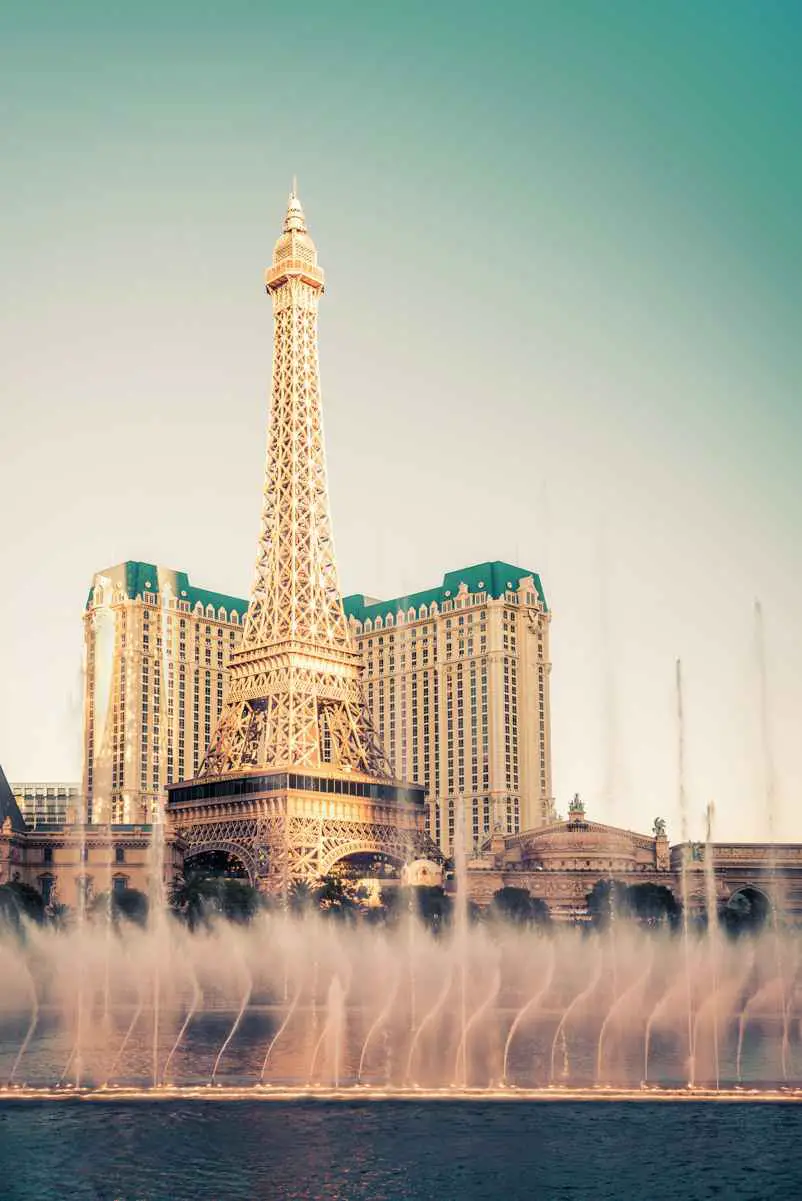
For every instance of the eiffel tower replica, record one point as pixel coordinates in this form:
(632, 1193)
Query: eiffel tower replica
(295, 779)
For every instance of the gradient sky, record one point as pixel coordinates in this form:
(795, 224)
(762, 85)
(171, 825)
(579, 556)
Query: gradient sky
(562, 327)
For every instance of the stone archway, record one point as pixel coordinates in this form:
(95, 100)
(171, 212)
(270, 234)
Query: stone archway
(748, 909)
(366, 850)
(215, 855)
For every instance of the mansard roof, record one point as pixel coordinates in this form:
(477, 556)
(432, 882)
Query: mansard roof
(137, 578)
(9, 806)
(495, 578)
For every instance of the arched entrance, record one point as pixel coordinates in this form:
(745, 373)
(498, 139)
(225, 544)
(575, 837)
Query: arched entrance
(223, 862)
(747, 911)
(367, 865)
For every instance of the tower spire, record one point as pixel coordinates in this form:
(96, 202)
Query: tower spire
(295, 696)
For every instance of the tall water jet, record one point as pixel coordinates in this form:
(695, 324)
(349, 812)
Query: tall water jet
(461, 931)
(462, 1049)
(194, 1006)
(619, 1003)
(770, 797)
(712, 935)
(332, 1034)
(577, 1001)
(32, 1024)
(246, 996)
(684, 892)
(530, 1007)
(427, 1020)
(137, 1014)
(287, 1019)
(377, 1024)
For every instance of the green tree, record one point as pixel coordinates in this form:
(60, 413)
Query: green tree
(746, 912)
(301, 897)
(518, 906)
(432, 905)
(335, 897)
(199, 899)
(239, 902)
(194, 898)
(653, 904)
(20, 901)
(129, 905)
(607, 900)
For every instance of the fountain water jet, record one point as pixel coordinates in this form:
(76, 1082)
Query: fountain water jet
(617, 1004)
(137, 1014)
(287, 1019)
(531, 1005)
(378, 1023)
(29, 1033)
(194, 1005)
(684, 895)
(427, 1020)
(577, 1001)
(462, 1049)
(770, 790)
(712, 927)
(246, 996)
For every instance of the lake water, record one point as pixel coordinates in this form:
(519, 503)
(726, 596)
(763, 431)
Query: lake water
(399, 1151)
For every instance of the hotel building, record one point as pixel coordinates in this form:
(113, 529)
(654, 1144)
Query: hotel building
(156, 653)
(456, 677)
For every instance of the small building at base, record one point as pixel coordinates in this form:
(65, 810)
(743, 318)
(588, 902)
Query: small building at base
(70, 862)
(559, 864)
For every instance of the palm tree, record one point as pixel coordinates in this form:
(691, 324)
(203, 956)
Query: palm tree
(194, 898)
(199, 898)
(301, 897)
(334, 896)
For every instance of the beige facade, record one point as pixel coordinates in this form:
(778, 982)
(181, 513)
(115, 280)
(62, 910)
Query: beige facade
(69, 864)
(561, 862)
(156, 650)
(457, 680)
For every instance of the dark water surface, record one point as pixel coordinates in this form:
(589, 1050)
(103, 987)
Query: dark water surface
(441, 1151)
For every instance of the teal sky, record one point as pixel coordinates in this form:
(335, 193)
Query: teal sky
(562, 327)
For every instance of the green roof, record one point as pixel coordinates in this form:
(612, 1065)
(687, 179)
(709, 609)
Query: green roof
(148, 577)
(493, 578)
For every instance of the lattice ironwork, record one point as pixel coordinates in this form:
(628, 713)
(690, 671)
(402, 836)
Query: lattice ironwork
(277, 849)
(294, 692)
(294, 698)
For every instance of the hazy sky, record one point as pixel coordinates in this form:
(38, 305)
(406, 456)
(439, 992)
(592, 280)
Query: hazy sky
(562, 327)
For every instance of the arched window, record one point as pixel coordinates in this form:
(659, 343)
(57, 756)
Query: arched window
(210, 611)
(368, 625)
(389, 620)
(424, 612)
(378, 623)
(221, 614)
(433, 609)
(235, 617)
